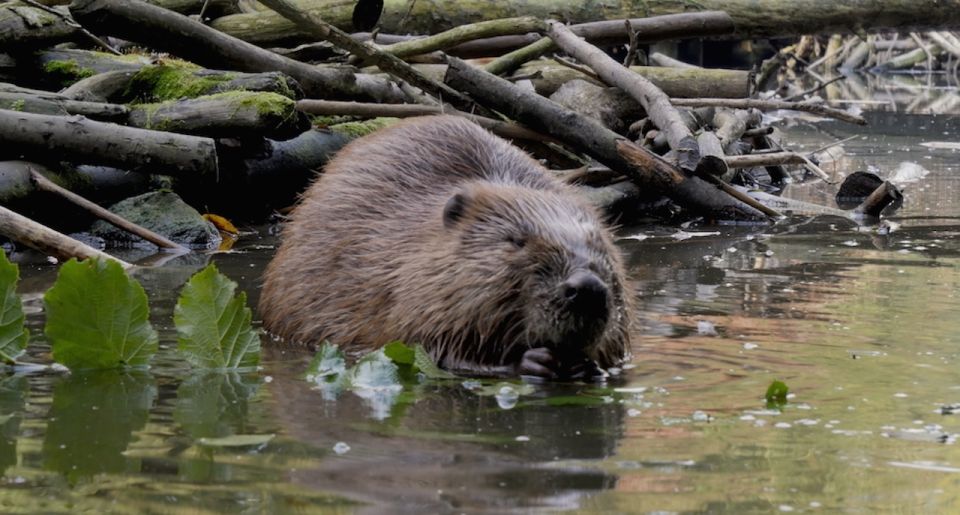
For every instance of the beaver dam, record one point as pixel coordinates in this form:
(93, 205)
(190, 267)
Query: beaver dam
(638, 260)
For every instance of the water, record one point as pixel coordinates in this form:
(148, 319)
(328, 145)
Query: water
(859, 322)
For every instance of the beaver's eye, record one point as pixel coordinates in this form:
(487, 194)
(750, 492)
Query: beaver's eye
(517, 241)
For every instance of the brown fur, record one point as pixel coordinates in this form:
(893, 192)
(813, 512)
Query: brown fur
(377, 251)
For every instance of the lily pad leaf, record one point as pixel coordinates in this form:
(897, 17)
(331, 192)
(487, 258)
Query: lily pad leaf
(13, 335)
(97, 317)
(236, 441)
(213, 324)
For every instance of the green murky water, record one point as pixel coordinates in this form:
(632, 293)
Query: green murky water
(861, 323)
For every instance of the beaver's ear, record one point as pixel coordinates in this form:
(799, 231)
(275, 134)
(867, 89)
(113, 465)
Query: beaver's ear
(455, 208)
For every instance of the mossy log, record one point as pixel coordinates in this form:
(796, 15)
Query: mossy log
(769, 18)
(23, 27)
(269, 28)
(548, 76)
(237, 114)
(171, 32)
(77, 139)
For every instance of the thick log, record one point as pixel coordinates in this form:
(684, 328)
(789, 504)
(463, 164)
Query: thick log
(654, 101)
(752, 18)
(99, 183)
(548, 76)
(58, 105)
(171, 32)
(46, 240)
(237, 114)
(458, 35)
(269, 28)
(78, 139)
(881, 197)
(537, 112)
(23, 27)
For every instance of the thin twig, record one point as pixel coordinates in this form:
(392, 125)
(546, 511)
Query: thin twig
(578, 67)
(821, 85)
(634, 43)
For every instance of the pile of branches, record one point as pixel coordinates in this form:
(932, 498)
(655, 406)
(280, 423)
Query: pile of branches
(223, 112)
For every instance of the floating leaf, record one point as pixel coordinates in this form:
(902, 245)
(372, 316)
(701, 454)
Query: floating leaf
(236, 441)
(375, 371)
(328, 364)
(97, 317)
(400, 353)
(221, 223)
(213, 324)
(427, 366)
(777, 395)
(13, 335)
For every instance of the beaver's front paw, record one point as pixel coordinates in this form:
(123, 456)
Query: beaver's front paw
(545, 363)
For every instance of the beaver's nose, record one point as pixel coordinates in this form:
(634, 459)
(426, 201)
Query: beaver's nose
(585, 294)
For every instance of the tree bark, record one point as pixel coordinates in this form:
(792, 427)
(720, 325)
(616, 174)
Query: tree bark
(77, 139)
(50, 104)
(171, 32)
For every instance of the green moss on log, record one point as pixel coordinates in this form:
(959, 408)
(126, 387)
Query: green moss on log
(67, 71)
(172, 80)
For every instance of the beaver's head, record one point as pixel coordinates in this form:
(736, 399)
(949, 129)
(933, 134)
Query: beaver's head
(550, 271)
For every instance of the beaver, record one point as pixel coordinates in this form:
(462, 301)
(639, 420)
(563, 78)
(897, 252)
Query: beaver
(435, 231)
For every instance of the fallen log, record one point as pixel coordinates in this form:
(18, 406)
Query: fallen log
(40, 237)
(171, 32)
(51, 104)
(591, 137)
(23, 28)
(547, 76)
(267, 28)
(236, 114)
(753, 19)
(334, 108)
(74, 138)
(768, 105)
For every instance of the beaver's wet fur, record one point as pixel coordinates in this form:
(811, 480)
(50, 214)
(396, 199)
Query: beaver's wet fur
(434, 231)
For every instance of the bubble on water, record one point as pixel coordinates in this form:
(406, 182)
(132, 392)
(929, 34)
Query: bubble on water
(783, 425)
(341, 448)
(522, 438)
(750, 346)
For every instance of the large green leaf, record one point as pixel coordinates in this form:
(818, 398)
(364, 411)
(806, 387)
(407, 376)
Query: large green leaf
(97, 317)
(13, 335)
(213, 324)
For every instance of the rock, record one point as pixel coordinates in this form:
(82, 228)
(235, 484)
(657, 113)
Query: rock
(611, 106)
(162, 212)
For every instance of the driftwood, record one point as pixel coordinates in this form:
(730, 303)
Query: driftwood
(654, 101)
(46, 185)
(589, 136)
(74, 138)
(40, 237)
(57, 105)
(184, 37)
